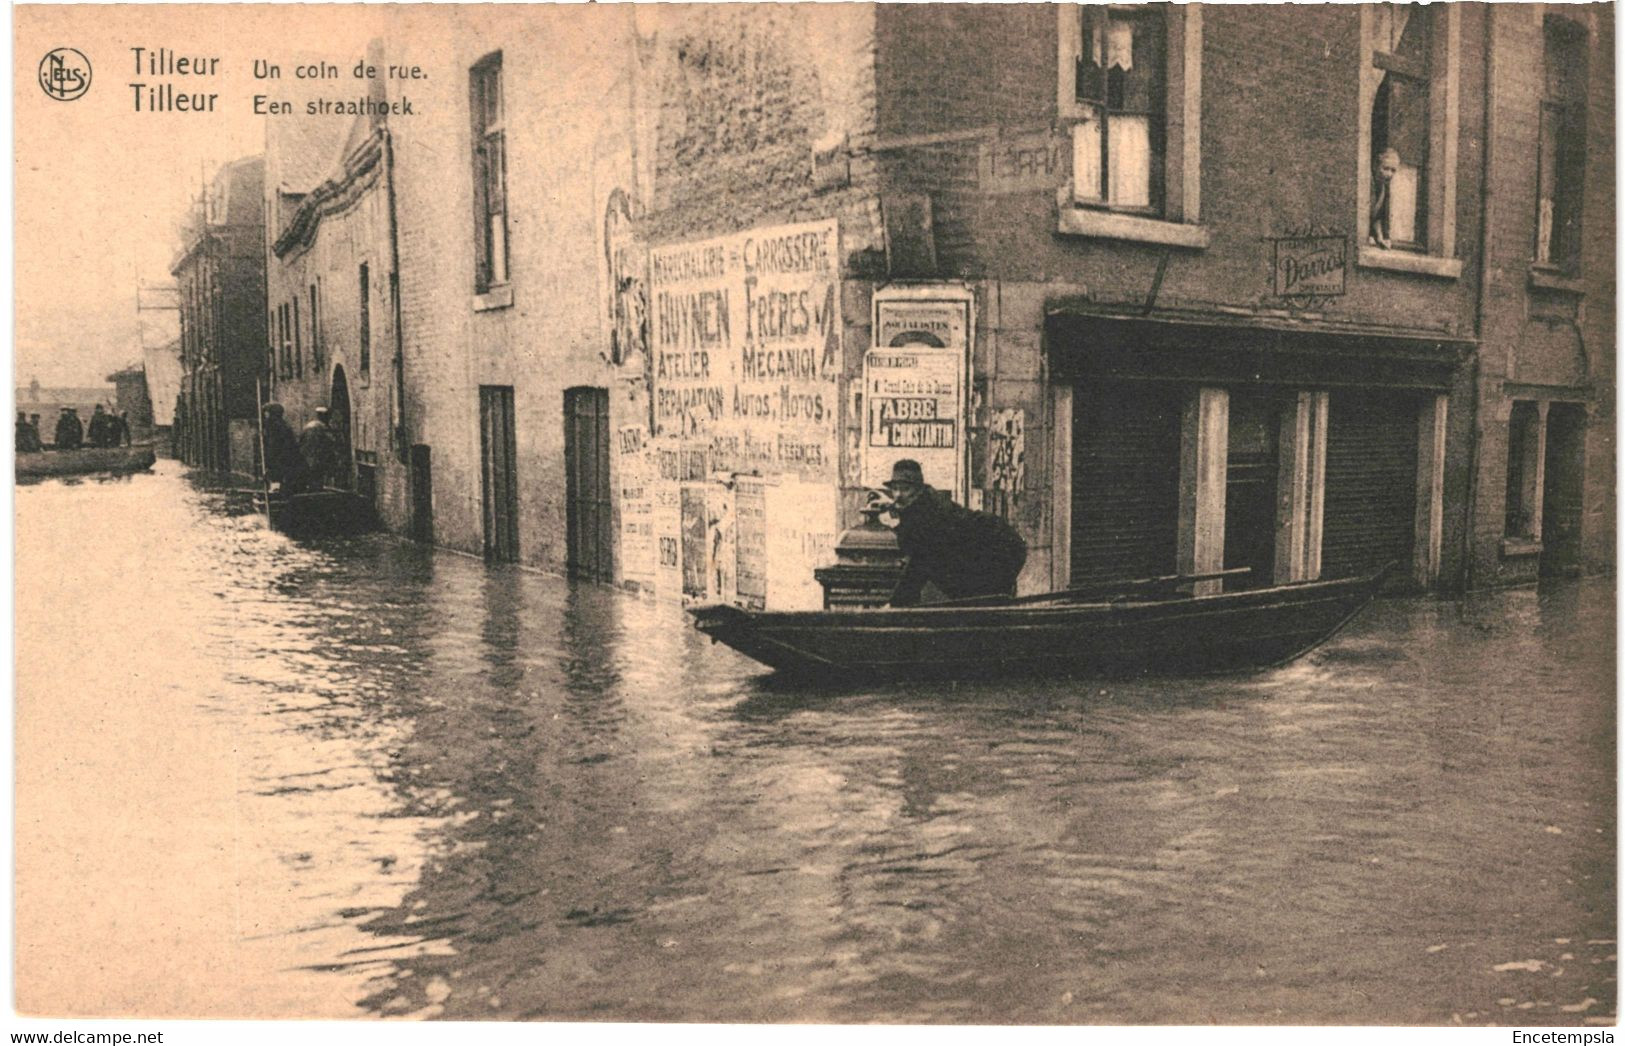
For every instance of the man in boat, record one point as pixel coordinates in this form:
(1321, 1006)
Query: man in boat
(70, 431)
(284, 464)
(98, 428)
(27, 436)
(961, 552)
(320, 448)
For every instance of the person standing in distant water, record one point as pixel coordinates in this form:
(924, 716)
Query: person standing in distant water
(39, 440)
(122, 435)
(27, 438)
(320, 448)
(70, 431)
(284, 465)
(961, 552)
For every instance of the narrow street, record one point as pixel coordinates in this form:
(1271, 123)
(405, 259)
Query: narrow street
(262, 778)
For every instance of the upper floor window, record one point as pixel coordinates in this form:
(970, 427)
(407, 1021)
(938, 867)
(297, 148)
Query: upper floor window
(1400, 139)
(1408, 130)
(1117, 142)
(365, 278)
(1562, 145)
(1130, 91)
(490, 174)
(315, 331)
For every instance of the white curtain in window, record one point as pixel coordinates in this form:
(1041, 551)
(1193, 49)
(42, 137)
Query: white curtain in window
(1128, 143)
(1086, 159)
(1402, 204)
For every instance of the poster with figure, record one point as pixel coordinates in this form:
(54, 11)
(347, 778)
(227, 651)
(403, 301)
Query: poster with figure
(914, 386)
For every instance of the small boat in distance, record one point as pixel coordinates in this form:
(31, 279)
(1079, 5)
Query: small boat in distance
(1145, 628)
(84, 461)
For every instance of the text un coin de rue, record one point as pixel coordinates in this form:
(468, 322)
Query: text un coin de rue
(168, 82)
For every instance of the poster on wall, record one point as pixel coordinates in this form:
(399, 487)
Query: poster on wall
(801, 531)
(914, 385)
(637, 555)
(750, 537)
(746, 344)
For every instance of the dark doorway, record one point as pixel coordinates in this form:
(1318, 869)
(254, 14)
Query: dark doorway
(1562, 500)
(1125, 480)
(338, 409)
(422, 524)
(586, 481)
(1370, 514)
(1250, 487)
(499, 470)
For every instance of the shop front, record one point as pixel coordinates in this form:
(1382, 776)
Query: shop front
(1197, 446)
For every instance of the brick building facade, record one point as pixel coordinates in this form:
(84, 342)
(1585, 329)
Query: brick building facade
(1544, 477)
(1169, 288)
(220, 283)
(331, 321)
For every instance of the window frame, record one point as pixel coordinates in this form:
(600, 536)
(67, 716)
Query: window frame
(1438, 256)
(485, 82)
(364, 323)
(1176, 222)
(1573, 111)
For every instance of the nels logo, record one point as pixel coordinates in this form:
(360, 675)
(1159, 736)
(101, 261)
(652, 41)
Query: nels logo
(64, 74)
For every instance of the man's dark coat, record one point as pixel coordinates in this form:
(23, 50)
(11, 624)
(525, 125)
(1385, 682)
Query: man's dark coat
(964, 553)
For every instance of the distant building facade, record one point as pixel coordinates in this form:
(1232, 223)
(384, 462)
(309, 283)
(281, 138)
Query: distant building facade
(331, 320)
(220, 282)
(132, 399)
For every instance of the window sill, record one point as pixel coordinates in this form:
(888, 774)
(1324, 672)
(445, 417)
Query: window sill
(1106, 225)
(499, 297)
(1512, 548)
(1405, 261)
(1551, 280)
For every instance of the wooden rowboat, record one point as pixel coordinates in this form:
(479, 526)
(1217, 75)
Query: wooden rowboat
(317, 512)
(40, 464)
(1135, 633)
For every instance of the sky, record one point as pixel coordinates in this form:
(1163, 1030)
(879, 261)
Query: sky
(100, 188)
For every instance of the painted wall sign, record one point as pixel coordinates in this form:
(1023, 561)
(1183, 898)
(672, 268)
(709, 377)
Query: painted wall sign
(1020, 163)
(914, 388)
(746, 346)
(1310, 266)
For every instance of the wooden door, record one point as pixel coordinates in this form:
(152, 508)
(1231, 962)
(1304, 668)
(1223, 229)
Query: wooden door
(499, 473)
(586, 474)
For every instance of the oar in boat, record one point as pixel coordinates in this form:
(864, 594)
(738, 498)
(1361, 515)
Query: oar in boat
(1115, 588)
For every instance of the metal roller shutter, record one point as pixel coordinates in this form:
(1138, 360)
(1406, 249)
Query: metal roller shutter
(1370, 482)
(1125, 480)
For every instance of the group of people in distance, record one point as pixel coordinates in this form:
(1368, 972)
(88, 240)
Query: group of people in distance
(106, 430)
(297, 464)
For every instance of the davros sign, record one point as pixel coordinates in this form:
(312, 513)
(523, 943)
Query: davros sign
(1310, 266)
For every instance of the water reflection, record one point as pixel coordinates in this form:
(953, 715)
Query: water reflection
(497, 795)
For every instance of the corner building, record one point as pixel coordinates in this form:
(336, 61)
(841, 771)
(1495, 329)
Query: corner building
(1171, 288)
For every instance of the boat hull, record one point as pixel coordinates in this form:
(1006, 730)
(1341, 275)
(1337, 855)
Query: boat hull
(41, 464)
(1182, 636)
(318, 513)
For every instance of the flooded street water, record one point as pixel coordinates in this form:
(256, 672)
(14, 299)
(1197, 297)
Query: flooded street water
(258, 777)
